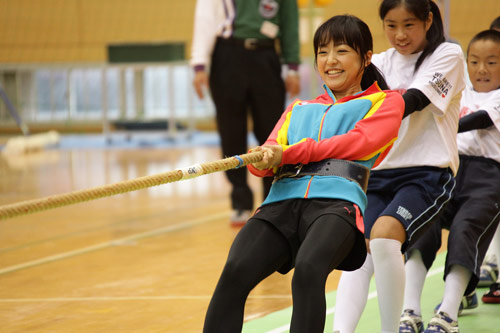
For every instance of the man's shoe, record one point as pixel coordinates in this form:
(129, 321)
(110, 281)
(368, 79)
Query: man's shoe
(468, 302)
(239, 217)
(442, 323)
(410, 322)
(492, 296)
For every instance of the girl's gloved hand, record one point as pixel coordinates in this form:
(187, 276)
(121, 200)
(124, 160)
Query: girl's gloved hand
(272, 156)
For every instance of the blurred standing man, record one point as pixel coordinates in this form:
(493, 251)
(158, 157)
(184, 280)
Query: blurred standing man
(237, 40)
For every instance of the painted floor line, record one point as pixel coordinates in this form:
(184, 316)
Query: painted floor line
(122, 222)
(127, 298)
(253, 316)
(114, 242)
(371, 295)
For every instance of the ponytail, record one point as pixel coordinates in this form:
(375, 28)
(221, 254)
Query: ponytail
(434, 36)
(372, 74)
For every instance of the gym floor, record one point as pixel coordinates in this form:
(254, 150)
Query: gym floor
(144, 261)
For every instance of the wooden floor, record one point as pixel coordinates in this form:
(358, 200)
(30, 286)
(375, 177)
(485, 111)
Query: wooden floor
(145, 261)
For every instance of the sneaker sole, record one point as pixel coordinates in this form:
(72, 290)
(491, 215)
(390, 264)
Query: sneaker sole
(491, 300)
(471, 307)
(238, 224)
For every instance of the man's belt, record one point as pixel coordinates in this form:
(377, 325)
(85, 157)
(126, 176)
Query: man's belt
(329, 167)
(249, 43)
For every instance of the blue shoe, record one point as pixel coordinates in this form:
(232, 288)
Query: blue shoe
(442, 323)
(468, 302)
(488, 274)
(410, 322)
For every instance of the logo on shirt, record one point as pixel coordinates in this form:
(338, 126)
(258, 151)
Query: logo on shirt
(268, 8)
(497, 108)
(440, 84)
(404, 213)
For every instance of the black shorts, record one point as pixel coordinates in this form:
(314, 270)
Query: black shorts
(415, 196)
(294, 217)
(472, 216)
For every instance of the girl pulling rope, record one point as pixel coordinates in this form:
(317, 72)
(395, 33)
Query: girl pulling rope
(320, 153)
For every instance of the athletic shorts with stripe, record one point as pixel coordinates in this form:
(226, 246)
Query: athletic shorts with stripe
(415, 196)
(472, 216)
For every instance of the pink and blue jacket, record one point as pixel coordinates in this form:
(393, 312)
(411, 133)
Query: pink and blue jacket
(360, 128)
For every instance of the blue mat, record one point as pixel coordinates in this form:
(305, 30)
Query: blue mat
(137, 140)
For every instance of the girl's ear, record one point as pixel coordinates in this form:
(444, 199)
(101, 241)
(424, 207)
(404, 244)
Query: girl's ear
(428, 22)
(368, 58)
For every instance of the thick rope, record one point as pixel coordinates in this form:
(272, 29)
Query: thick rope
(65, 199)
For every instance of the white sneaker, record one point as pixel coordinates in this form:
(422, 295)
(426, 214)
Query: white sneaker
(239, 217)
(410, 322)
(442, 323)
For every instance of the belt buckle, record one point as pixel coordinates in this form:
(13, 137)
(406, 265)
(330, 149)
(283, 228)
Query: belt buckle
(289, 174)
(250, 43)
(299, 168)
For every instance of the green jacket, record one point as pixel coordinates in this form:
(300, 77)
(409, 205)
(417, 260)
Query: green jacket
(283, 13)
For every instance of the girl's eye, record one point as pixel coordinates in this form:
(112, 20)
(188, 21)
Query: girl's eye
(473, 62)
(492, 63)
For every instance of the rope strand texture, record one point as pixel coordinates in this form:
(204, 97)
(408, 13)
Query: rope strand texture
(65, 199)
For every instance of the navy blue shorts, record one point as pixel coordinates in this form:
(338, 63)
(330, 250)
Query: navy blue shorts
(415, 196)
(472, 216)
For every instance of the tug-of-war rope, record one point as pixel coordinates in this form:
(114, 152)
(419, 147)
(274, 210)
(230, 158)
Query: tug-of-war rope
(65, 199)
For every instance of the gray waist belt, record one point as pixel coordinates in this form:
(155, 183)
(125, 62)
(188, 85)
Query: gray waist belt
(329, 167)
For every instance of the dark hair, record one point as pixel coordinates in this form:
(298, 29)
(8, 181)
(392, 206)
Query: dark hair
(493, 35)
(350, 30)
(495, 24)
(421, 9)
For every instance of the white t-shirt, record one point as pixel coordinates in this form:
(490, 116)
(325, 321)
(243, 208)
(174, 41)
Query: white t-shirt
(211, 19)
(483, 142)
(427, 137)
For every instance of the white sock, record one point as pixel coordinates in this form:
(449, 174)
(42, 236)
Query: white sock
(495, 248)
(454, 287)
(390, 280)
(492, 251)
(415, 279)
(352, 294)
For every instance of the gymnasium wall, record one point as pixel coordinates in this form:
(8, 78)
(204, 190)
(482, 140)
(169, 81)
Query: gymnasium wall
(467, 17)
(45, 31)
(55, 31)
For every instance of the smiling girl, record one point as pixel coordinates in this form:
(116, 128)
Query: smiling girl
(473, 212)
(411, 187)
(319, 153)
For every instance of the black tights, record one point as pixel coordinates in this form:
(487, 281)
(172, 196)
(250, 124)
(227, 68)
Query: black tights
(259, 250)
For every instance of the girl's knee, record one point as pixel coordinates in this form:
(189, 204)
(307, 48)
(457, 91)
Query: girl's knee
(307, 274)
(388, 227)
(235, 273)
